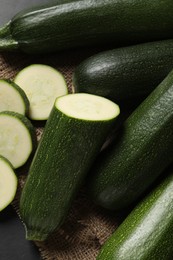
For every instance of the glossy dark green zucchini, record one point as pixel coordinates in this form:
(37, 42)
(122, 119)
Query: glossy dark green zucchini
(127, 73)
(147, 232)
(143, 149)
(72, 23)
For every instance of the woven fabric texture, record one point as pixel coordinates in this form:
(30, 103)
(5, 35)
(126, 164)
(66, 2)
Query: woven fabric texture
(87, 227)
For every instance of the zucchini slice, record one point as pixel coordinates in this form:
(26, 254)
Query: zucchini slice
(8, 183)
(74, 133)
(12, 97)
(17, 137)
(42, 84)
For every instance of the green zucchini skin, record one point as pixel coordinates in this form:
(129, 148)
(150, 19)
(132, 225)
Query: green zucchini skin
(65, 153)
(146, 232)
(143, 149)
(125, 73)
(73, 23)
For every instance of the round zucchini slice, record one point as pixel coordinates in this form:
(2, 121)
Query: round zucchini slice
(13, 98)
(42, 85)
(8, 183)
(17, 137)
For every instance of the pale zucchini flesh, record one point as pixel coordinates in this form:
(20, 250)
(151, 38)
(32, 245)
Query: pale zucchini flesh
(8, 183)
(42, 84)
(87, 107)
(16, 139)
(12, 97)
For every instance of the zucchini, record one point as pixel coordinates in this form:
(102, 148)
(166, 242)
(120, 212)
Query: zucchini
(73, 23)
(42, 84)
(127, 73)
(13, 98)
(146, 232)
(17, 137)
(143, 149)
(8, 183)
(73, 136)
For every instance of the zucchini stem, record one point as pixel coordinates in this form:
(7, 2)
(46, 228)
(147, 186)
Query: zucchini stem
(6, 40)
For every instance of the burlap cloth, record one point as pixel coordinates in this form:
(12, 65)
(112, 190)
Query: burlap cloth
(87, 226)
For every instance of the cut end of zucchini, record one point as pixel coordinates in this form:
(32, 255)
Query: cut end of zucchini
(42, 85)
(12, 98)
(87, 107)
(8, 183)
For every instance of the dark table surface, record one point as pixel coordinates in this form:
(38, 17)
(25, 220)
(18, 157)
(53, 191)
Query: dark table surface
(13, 245)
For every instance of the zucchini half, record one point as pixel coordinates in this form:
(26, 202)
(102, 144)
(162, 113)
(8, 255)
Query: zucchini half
(74, 133)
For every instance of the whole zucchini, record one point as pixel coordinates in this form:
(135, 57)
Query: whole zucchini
(72, 23)
(143, 149)
(127, 73)
(73, 136)
(147, 232)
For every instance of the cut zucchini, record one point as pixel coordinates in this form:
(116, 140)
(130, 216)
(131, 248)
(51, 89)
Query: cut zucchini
(74, 133)
(87, 107)
(8, 183)
(42, 84)
(17, 137)
(12, 97)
